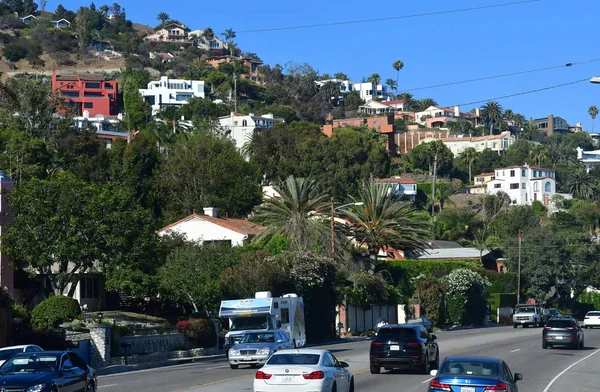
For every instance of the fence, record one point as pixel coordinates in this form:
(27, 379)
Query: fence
(132, 324)
(359, 319)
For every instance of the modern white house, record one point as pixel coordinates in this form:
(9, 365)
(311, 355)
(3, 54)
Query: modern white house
(108, 128)
(524, 184)
(201, 42)
(459, 143)
(368, 91)
(209, 228)
(165, 92)
(241, 127)
(589, 158)
(376, 108)
(405, 187)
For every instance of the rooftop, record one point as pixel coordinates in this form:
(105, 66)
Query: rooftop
(395, 180)
(76, 77)
(242, 226)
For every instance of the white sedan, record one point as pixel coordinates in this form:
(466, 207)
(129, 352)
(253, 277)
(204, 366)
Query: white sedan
(304, 370)
(7, 353)
(592, 320)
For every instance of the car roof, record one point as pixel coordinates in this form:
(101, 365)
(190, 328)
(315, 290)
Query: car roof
(474, 359)
(14, 347)
(302, 351)
(42, 353)
(405, 326)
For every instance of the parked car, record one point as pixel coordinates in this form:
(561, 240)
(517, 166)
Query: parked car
(304, 370)
(562, 331)
(7, 353)
(528, 315)
(256, 347)
(424, 321)
(57, 371)
(463, 373)
(404, 345)
(591, 319)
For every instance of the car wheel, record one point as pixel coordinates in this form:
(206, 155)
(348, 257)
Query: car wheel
(234, 366)
(90, 387)
(351, 389)
(294, 343)
(375, 369)
(515, 325)
(544, 345)
(334, 388)
(426, 368)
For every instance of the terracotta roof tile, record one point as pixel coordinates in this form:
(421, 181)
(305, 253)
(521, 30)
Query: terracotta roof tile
(403, 180)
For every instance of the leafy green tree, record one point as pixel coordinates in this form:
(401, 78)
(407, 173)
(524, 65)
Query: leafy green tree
(23, 156)
(385, 221)
(422, 104)
(469, 157)
(421, 157)
(138, 112)
(492, 115)
(224, 179)
(81, 153)
(14, 51)
(593, 112)
(409, 100)
(392, 84)
(587, 215)
(538, 154)
(517, 154)
(353, 101)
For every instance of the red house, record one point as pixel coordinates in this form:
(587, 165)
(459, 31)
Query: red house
(87, 92)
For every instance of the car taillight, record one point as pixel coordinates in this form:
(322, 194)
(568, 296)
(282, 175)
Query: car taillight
(376, 344)
(570, 329)
(318, 375)
(498, 387)
(547, 328)
(435, 384)
(262, 375)
(414, 344)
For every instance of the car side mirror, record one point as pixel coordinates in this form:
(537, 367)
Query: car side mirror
(344, 364)
(518, 377)
(433, 372)
(433, 337)
(280, 341)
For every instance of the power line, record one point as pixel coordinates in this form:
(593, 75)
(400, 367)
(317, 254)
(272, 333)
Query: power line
(523, 93)
(388, 18)
(567, 65)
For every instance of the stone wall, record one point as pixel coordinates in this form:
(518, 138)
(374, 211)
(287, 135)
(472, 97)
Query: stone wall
(100, 345)
(142, 345)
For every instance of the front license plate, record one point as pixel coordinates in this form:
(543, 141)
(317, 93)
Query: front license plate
(467, 389)
(287, 379)
(395, 348)
(247, 359)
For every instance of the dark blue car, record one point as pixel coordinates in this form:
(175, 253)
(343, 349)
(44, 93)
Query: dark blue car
(474, 374)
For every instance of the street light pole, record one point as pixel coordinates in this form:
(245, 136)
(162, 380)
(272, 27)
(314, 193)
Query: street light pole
(519, 272)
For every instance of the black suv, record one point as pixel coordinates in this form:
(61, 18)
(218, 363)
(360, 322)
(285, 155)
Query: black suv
(404, 346)
(562, 331)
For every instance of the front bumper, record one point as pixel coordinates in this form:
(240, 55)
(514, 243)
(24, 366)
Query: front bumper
(529, 321)
(248, 359)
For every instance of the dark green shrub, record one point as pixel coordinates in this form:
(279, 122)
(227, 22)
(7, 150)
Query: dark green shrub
(51, 312)
(538, 208)
(14, 52)
(500, 282)
(501, 300)
(466, 299)
(431, 292)
(199, 331)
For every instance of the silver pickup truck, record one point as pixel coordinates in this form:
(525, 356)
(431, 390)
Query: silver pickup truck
(527, 315)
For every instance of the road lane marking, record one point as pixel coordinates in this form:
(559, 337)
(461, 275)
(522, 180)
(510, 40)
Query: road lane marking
(208, 384)
(566, 370)
(514, 351)
(106, 386)
(426, 381)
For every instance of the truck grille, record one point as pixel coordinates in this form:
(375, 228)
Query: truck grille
(523, 318)
(247, 352)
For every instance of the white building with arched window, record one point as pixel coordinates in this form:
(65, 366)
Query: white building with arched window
(524, 184)
(241, 127)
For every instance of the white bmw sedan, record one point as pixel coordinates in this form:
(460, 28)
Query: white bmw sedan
(592, 320)
(304, 370)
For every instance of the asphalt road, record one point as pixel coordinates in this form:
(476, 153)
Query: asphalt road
(553, 370)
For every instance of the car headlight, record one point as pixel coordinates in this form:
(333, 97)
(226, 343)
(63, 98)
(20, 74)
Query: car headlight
(263, 351)
(36, 388)
(234, 352)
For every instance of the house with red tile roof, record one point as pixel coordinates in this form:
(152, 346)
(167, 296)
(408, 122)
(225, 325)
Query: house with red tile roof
(209, 228)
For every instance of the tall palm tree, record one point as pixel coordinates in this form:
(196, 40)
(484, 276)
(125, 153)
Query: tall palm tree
(434, 149)
(442, 197)
(424, 103)
(538, 154)
(385, 221)
(208, 34)
(171, 116)
(229, 35)
(392, 84)
(398, 65)
(509, 115)
(582, 185)
(408, 100)
(297, 214)
(593, 111)
(163, 17)
(375, 79)
(468, 157)
(491, 113)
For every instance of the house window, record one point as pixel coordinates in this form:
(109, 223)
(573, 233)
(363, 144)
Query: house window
(72, 94)
(244, 123)
(523, 174)
(536, 186)
(522, 185)
(92, 84)
(92, 95)
(548, 187)
(512, 173)
(88, 105)
(88, 287)
(514, 186)
(182, 98)
(496, 186)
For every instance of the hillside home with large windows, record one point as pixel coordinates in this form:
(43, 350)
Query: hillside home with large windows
(86, 92)
(241, 127)
(589, 158)
(524, 184)
(165, 92)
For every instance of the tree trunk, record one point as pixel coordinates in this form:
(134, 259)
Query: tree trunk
(491, 128)
(192, 302)
(435, 159)
(470, 176)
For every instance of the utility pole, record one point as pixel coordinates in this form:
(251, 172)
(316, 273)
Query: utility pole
(235, 92)
(332, 231)
(519, 272)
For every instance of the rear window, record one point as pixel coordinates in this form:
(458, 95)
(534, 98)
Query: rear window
(294, 359)
(397, 333)
(476, 368)
(559, 323)
(593, 314)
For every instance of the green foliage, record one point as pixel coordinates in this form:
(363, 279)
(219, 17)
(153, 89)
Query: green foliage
(590, 297)
(422, 156)
(431, 292)
(501, 300)
(454, 224)
(466, 296)
(367, 289)
(14, 51)
(53, 311)
(500, 282)
(200, 331)
(19, 311)
(538, 208)
(517, 154)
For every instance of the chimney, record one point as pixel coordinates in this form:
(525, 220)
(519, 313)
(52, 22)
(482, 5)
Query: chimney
(477, 112)
(210, 211)
(457, 111)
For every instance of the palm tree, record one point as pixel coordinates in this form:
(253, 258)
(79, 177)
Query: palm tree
(581, 185)
(229, 35)
(208, 34)
(171, 116)
(424, 103)
(104, 10)
(434, 148)
(163, 17)
(491, 113)
(383, 220)
(442, 197)
(408, 100)
(297, 214)
(392, 84)
(538, 154)
(375, 79)
(509, 115)
(330, 91)
(593, 111)
(398, 65)
(468, 157)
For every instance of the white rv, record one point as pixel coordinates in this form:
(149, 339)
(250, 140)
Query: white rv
(263, 312)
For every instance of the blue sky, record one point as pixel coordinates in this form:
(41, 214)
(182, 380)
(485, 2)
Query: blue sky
(435, 49)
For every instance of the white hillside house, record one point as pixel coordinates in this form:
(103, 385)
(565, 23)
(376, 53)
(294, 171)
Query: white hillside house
(165, 92)
(241, 127)
(524, 184)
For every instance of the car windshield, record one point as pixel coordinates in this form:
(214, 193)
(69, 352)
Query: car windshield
(526, 310)
(596, 314)
(6, 354)
(397, 333)
(248, 323)
(258, 338)
(475, 368)
(34, 363)
(294, 359)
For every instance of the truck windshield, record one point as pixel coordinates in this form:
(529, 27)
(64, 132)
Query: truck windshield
(247, 323)
(525, 310)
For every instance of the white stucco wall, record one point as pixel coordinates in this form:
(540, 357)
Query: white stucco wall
(200, 230)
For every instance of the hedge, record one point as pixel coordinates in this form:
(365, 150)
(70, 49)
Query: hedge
(501, 300)
(53, 311)
(502, 282)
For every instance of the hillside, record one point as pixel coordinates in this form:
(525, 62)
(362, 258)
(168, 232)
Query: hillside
(92, 62)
